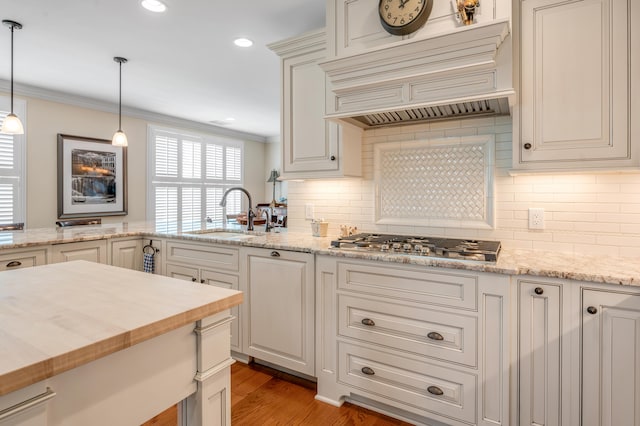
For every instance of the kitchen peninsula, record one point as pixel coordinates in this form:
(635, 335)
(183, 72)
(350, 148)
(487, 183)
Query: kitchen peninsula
(85, 343)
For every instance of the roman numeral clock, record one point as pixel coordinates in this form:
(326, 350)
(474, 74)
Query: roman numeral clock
(402, 17)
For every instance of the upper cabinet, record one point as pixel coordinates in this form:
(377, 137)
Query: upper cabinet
(576, 100)
(353, 26)
(312, 146)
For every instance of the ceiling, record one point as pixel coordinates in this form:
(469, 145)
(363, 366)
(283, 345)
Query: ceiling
(181, 63)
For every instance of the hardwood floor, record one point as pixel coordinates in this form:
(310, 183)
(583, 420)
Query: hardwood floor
(263, 396)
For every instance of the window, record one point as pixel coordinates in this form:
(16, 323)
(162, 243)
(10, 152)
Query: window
(188, 174)
(12, 167)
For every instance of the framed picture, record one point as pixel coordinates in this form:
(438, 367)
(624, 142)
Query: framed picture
(92, 177)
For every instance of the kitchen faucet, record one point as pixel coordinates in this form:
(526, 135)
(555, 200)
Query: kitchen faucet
(250, 213)
(267, 226)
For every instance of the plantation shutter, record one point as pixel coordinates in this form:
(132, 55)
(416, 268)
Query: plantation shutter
(12, 189)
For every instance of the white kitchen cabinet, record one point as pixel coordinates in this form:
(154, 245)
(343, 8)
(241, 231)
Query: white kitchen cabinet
(432, 343)
(126, 253)
(207, 264)
(23, 258)
(93, 251)
(312, 146)
(542, 368)
(610, 357)
(279, 308)
(577, 66)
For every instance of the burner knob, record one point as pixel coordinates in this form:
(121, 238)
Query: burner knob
(396, 246)
(407, 247)
(384, 247)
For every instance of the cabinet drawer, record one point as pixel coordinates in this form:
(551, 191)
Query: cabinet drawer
(202, 255)
(22, 259)
(413, 285)
(413, 384)
(441, 335)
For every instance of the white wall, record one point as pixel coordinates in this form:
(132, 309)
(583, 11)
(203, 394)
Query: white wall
(584, 212)
(46, 119)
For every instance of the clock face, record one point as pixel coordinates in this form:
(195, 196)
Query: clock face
(400, 17)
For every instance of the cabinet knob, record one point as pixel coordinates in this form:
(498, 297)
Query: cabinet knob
(434, 390)
(194, 279)
(14, 263)
(369, 322)
(592, 310)
(333, 158)
(368, 371)
(201, 281)
(435, 336)
(538, 290)
(275, 254)
(527, 145)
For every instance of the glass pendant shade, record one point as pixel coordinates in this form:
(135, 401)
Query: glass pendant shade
(119, 139)
(12, 125)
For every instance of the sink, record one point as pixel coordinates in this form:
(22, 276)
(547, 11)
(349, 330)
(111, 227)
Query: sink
(223, 234)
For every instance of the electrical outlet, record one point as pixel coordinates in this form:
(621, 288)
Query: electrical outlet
(308, 211)
(536, 218)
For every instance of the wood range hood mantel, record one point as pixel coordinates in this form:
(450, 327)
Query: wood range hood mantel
(462, 73)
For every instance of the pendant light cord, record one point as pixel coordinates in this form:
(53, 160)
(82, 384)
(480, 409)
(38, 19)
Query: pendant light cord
(12, 69)
(120, 101)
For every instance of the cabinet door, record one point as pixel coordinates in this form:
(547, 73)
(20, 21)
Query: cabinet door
(279, 310)
(310, 143)
(540, 351)
(93, 251)
(610, 358)
(127, 254)
(226, 281)
(186, 273)
(575, 74)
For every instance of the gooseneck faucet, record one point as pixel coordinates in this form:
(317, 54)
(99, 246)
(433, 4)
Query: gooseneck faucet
(250, 213)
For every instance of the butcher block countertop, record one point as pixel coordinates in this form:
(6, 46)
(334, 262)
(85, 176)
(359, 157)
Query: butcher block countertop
(60, 316)
(511, 261)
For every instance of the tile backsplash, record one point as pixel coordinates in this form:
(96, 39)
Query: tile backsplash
(584, 212)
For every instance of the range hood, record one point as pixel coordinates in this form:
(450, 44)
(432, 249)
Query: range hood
(464, 73)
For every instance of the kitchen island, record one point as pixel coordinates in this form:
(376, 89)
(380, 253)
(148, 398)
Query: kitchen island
(84, 343)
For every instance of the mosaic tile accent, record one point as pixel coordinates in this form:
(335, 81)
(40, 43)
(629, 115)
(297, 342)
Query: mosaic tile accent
(443, 182)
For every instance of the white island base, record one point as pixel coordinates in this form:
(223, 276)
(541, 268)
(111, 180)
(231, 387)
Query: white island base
(188, 365)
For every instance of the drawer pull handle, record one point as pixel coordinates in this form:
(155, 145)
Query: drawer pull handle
(368, 371)
(435, 336)
(25, 405)
(275, 254)
(434, 390)
(14, 263)
(368, 322)
(592, 310)
(194, 279)
(539, 290)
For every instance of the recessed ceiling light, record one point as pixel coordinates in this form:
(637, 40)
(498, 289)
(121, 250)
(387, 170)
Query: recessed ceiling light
(230, 119)
(243, 42)
(153, 5)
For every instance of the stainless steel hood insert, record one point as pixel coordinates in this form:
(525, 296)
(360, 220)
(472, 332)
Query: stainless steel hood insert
(465, 73)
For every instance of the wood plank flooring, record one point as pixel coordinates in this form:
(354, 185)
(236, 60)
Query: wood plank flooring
(263, 396)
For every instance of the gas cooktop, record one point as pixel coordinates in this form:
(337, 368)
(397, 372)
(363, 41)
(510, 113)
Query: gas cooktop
(451, 248)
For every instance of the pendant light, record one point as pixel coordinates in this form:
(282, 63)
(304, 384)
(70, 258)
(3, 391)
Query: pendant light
(119, 138)
(12, 124)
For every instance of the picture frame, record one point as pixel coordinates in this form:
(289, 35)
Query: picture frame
(92, 177)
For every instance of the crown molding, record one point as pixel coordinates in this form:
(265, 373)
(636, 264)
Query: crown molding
(95, 104)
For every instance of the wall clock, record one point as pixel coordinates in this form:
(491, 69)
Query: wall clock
(402, 17)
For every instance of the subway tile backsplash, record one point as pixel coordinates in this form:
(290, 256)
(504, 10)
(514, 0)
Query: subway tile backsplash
(584, 212)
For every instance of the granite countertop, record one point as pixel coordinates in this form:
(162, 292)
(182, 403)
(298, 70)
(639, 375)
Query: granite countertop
(93, 310)
(597, 269)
